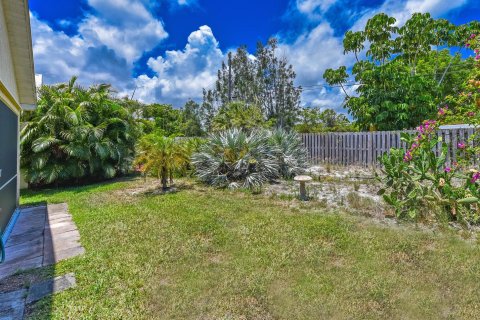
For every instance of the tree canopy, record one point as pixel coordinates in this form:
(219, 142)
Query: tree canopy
(265, 80)
(405, 72)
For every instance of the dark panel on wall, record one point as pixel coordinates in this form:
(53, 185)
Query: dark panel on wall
(8, 203)
(8, 163)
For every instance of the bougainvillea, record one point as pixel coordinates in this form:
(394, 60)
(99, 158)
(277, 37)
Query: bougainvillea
(418, 177)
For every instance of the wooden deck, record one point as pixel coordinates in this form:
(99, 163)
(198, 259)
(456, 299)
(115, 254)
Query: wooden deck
(42, 236)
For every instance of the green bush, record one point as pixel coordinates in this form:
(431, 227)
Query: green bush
(290, 153)
(416, 179)
(240, 159)
(77, 135)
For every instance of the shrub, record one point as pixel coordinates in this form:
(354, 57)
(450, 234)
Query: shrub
(235, 158)
(417, 178)
(240, 159)
(290, 153)
(77, 134)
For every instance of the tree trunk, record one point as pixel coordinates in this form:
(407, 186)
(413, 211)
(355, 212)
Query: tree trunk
(164, 175)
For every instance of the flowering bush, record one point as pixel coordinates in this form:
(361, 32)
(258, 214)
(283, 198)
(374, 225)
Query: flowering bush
(417, 178)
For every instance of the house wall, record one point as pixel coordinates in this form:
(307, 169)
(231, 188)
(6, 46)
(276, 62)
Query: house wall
(9, 124)
(7, 72)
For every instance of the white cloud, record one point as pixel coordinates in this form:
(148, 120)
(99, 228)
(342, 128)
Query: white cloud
(108, 43)
(185, 2)
(403, 10)
(435, 7)
(57, 56)
(124, 26)
(182, 74)
(314, 8)
(313, 52)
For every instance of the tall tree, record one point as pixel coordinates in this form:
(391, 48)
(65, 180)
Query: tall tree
(265, 80)
(164, 117)
(238, 115)
(407, 71)
(190, 124)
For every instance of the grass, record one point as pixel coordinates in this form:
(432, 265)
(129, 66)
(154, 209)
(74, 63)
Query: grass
(209, 254)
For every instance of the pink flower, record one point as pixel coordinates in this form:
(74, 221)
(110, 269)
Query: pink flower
(448, 169)
(472, 36)
(461, 145)
(471, 114)
(467, 45)
(408, 156)
(475, 177)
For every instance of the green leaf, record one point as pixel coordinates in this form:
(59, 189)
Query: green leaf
(469, 200)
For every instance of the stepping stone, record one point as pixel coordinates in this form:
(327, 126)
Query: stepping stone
(68, 235)
(33, 209)
(60, 229)
(46, 288)
(25, 251)
(52, 257)
(57, 208)
(59, 218)
(14, 240)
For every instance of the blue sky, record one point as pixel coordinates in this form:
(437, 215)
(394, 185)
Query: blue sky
(170, 49)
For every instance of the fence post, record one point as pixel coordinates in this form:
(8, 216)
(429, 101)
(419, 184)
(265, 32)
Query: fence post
(370, 148)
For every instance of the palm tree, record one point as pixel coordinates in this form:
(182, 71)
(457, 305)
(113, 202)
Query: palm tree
(161, 156)
(77, 133)
(235, 158)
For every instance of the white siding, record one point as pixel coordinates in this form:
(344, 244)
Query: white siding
(7, 74)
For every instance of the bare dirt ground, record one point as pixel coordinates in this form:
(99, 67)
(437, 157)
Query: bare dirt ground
(337, 187)
(333, 187)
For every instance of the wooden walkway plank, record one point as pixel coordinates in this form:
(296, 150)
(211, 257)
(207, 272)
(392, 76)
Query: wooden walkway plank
(41, 236)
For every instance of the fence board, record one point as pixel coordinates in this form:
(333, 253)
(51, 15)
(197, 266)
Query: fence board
(364, 148)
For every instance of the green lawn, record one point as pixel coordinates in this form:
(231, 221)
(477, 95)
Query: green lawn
(210, 254)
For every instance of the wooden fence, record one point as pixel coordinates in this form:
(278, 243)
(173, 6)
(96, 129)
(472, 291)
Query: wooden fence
(364, 148)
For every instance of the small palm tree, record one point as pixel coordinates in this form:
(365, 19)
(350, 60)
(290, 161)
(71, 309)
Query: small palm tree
(161, 156)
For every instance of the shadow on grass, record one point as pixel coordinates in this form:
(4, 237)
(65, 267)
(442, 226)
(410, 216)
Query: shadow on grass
(48, 191)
